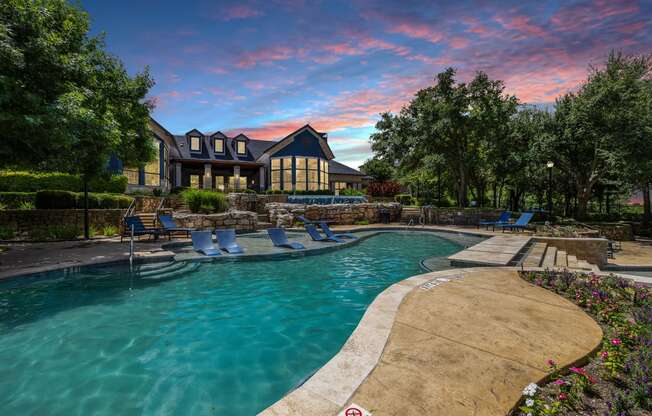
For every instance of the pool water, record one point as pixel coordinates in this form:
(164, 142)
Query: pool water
(230, 338)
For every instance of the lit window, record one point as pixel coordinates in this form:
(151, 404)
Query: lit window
(219, 183)
(339, 185)
(242, 182)
(276, 173)
(287, 174)
(153, 168)
(132, 176)
(194, 181)
(219, 145)
(195, 144)
(241, 147)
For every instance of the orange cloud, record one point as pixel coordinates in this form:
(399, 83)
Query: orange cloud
(417, 31)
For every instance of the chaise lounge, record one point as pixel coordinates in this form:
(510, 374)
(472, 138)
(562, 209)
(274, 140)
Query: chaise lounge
(202, 241)
(520, 224)
(314, 234)
(329, 233)
(280, 239)
(139, 228)
(502, 220)
(226, 241)
(170, 226)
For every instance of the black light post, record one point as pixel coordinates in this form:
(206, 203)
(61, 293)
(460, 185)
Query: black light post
(550, 165)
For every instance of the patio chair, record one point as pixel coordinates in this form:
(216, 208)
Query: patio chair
(280, 239)
(520, 224)
(503, 219)
(314, 234)
(307, 221)
(171, 226)
(226, 241)
(139, 228)
(331, 234)
(202, 241)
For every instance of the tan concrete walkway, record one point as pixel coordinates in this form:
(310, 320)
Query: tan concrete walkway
(633, 253)
(468, 347)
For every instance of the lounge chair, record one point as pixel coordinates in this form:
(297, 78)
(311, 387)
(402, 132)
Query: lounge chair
(331, 234)
(314, 234)
(280, 239)
(226, 241)
(202, 241)
(520, 224)
(503, 219)
(139, 228)
(307, 221)
(171, 226)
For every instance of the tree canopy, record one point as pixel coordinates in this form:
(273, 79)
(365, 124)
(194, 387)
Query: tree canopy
(65, 103)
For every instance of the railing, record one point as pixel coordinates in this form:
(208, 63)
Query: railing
(129, 213)
(159, 208)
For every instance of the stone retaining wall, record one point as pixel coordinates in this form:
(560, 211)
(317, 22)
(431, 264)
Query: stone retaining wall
(459, 216)
(284, 215)
(253, 202)
(147, 203)
(240, 220)
(28, 221)
(618, 232)
(593, 250)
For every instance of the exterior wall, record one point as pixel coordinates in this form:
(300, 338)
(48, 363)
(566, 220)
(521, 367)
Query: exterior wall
(352, 181)
(28, 221)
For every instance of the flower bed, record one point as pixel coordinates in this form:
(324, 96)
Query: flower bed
(617, 381)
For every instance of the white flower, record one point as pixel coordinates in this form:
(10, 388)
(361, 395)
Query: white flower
(530, 390)
(529, 402)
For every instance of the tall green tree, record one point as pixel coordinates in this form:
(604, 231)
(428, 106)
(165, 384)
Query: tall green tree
(379, 169)
(65, 103)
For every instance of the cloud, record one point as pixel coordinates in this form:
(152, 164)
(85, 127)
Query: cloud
(240, 11)
(417, 31)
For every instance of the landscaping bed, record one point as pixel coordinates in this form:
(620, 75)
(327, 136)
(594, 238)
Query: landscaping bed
(617, 381)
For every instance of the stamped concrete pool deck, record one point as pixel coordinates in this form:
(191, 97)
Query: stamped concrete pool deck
(459, 342)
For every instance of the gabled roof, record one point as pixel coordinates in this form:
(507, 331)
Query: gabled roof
(290, 138)
(341, 169)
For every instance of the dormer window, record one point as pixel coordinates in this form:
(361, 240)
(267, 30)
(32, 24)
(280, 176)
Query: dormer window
(241, 147)
(219, 145)
(195, 144)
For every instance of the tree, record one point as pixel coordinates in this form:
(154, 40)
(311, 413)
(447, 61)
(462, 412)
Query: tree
(378, 169)
(66, 104)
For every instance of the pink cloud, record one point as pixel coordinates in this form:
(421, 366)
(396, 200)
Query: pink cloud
(417, 31)
(265, 55)
(240, 11)
(521, 24)
(458, 42)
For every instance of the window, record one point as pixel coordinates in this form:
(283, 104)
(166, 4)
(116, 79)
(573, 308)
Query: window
(195, 144)
(194, 181)
(241, 147)
(219, 183)
(309, 174)
(313, 174)
(132, 176)
(324, 175)
(219, 145)
(242, 182)
(339, 185)
(153, 168)
(276, 174)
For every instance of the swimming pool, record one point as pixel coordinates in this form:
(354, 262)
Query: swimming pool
(229, 338)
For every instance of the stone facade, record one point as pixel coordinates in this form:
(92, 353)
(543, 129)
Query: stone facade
(284, 215)
(28, 221)
(147, 203)
(240, 220)
(459, 216)
(253, 202)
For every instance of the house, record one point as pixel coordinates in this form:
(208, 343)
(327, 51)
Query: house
(301, 161)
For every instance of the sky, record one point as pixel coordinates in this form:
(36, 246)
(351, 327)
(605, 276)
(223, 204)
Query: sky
(267, 67)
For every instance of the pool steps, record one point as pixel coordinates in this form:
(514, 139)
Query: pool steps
(166, 270)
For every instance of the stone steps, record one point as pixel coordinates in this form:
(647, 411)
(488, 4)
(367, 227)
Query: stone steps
(562, 259)
(535, 256)
(572, 262)
(550, 257)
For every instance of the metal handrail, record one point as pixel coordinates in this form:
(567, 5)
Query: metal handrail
(130, 210)
(158, 208)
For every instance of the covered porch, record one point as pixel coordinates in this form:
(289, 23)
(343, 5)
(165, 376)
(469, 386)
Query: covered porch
(224, 176)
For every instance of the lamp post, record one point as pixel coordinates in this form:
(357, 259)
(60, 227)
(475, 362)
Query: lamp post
(550, 165)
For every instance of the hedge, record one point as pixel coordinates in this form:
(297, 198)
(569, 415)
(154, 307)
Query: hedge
(204, 201)
(23, 181)
(11, 200)
(405, 199)
(57, 199)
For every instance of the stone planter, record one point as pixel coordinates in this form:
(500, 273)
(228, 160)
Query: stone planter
(284, 215)
(240, 220)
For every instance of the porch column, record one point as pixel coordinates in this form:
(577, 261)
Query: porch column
(236, 177)
(177, 174)
(208, 176)
(261, 181)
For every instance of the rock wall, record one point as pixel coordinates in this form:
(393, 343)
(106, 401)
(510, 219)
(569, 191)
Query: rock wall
(147, 203)
(618, 232)
(29, 221)
(253, 202)
(284, 215)
(240, 220)
(459, 216)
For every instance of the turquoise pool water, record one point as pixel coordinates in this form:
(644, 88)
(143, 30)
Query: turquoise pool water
(230, 338)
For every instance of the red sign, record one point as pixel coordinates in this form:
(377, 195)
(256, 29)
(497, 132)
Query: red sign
(353, 411)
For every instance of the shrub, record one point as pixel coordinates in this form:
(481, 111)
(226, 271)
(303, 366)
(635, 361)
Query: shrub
(6, 233)
(12, 200)
(352, 192)
(204, 200)
(2, 206)
(26, 205)
(248, 191)
(56, 200)
(75, 200)
(362, 222)
(157, 192)
(110, 230)
(389, 188)
(22, 181)
(177, 190)
(405, 199)
(64, 232)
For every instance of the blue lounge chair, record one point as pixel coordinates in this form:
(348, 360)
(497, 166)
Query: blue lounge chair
(226, 241)
(202, 241)
(314, 234)
(329, 233)
(503, 219)
(170, 226)
(139, 228)
(520, 224)
(281, 240)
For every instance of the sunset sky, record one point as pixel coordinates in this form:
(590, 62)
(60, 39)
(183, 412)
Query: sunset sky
(267, 67)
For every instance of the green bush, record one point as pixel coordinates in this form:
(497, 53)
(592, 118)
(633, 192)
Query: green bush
(248, 191)
(110, 230)
(157, 192)
(352, 192)
(56, 199)
(26, 205)
(56, 232)
(6, 233)
(204, 200)
(11, 200)
(405, 199)
(177, 190)
(22, 181)
(362, 222)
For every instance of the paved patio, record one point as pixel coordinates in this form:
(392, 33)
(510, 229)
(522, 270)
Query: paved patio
(633, 253)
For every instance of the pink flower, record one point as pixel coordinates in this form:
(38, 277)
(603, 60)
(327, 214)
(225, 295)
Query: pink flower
(563, 396)
(579, 371)
(559, 382)
(551, 363)
(604, 355)
(616, 342)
